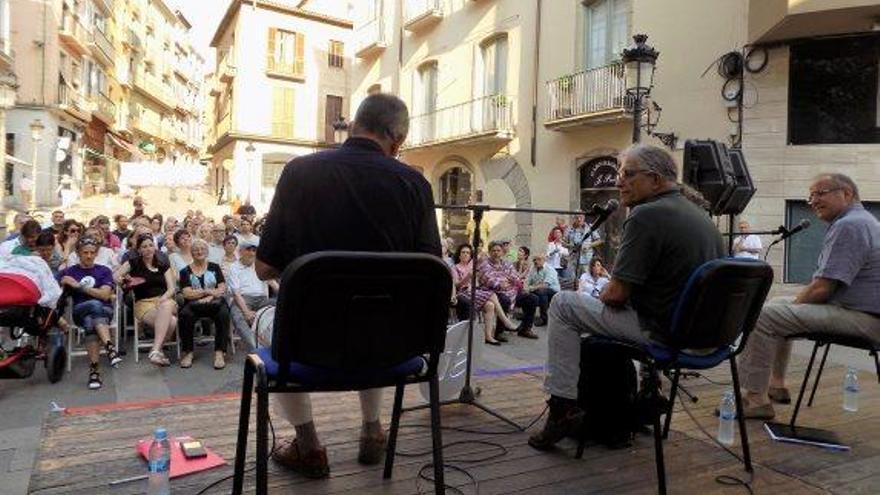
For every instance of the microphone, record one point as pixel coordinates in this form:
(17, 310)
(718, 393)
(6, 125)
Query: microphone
(603, 212)
(805, 224)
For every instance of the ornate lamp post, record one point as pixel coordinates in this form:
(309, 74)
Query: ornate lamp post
(37, 136)
(639, 62)
(340, 130)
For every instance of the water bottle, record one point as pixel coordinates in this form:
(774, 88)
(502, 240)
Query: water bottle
(851, 391)
(726, 416)
(159, 464)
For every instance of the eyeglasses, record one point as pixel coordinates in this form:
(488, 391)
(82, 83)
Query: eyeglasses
(820, 192)
(629, 174)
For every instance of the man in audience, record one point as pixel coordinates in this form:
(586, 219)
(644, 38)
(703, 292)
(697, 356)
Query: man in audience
(246, 232)
(18, 220)
(249, 293)
(102, 222)
(843, 298)
(747, 245)
(26, 241)
(215, 244)
(665, 238)
(580, 246)
(122, 231)
(57, 222)
(363, 182)
(543, 282)
(139, 204)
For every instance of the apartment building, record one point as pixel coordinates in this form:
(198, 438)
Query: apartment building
(281, 80)
(79, 74)
(8, 83)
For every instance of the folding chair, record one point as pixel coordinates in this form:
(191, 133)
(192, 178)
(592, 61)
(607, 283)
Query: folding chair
(349, 321)
(826, 340)
(148, 344)
(720, 303)
(76, 334)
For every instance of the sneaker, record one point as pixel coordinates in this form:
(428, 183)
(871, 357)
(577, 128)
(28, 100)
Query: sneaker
(564, 419)
(186, 361)
(112, 355)
(219, 360)
(94, 378)
(311, 464)
(372, 449)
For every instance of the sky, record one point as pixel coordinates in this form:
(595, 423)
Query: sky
(204, 15)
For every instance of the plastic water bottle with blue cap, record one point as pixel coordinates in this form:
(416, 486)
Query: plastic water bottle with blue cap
(851, 391)
(726, 417)
(159, 464)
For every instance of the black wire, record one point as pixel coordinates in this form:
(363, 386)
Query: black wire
(695, 374)
(482, 432)
(229, 477)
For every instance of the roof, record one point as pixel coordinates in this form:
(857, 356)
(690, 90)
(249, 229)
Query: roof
(235, 5)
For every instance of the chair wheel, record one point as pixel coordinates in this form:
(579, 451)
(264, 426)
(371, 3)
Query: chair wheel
(56, 359)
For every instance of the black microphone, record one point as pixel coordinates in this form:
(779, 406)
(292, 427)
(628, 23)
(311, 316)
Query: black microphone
(805, 224)
(781, 230)
(603, 212)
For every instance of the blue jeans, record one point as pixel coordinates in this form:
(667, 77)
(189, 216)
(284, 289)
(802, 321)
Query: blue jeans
(89, 314)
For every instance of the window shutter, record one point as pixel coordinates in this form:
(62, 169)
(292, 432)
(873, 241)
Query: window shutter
(277, 111)
(290, 110)
(270, 50)
(300, 54)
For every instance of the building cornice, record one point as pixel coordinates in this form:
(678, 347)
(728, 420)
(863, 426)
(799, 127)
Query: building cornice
(235, 6)
(230, 137)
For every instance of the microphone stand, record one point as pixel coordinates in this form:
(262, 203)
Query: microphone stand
(469, 393)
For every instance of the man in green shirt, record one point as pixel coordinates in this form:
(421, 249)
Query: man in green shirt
(544, 283)
(28, 238)
(665, 238)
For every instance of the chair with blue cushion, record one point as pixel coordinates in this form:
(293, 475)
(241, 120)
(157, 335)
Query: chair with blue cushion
(719, 305)
(349, 321)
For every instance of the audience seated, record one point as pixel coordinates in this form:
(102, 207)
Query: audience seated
(203, 287)
(122, 231)
(182, 256)
(486, 301)
(544, 284)
(249, 294)
(105, 255)
(499, 276)
(594, 279)
(27, 240)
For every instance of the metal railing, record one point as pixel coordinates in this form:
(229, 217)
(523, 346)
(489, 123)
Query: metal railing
(370, 33)
(102, 41)
(71, 27)
(134, 40)
(590, 91)
(151, 126)
(104, 105)
(482, 115)
(155, 87)
(413, 9)
(73, 99)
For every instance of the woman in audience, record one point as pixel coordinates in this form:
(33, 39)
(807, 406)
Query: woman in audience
(153, 285)
(556, 251)
(65, 242)
(181, 257)
(594, 279)
(102, 223)
(203, 287)
(156, 223)
(485, 300)
(522, 264)
(168, 246)
(230, 253)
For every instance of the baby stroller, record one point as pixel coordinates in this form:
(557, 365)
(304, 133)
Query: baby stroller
(28, 331)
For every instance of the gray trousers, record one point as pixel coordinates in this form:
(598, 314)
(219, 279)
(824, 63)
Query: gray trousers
(767, 350)
(571, 315)
(240, 322)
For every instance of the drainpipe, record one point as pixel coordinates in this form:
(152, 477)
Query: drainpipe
(537, 57)
(43, 62)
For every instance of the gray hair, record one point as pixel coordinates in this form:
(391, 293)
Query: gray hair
(384, 115)
(198, 241)
(651, 158)
(842, 181)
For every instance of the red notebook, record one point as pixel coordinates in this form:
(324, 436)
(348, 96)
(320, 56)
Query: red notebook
(180, 465)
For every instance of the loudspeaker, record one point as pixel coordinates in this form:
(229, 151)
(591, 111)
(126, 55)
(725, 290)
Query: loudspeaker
(744, 189)
(707, 168)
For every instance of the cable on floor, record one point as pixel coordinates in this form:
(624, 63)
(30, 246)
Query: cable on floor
(229, 477)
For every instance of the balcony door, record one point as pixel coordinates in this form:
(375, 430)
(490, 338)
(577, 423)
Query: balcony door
(455, 189)
(604, 31)
(491, 109)
(426, 102)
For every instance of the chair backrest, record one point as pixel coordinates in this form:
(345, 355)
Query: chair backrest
(360, 311)
(721, 301)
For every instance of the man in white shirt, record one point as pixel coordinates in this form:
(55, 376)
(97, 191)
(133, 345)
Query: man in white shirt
(246, 233)
(747, 245)
(249, 293)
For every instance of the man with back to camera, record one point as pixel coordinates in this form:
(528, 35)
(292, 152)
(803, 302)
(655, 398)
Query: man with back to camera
(665, 238)
(360, 183)
(843, 297)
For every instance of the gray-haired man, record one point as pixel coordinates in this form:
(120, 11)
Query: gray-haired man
(665, 238)
(843, 298)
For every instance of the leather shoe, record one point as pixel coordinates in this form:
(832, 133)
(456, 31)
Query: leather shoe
(564, 419)
(527, 333)
(312, 464)
(779, 395)
(372, 449)
(541, 322)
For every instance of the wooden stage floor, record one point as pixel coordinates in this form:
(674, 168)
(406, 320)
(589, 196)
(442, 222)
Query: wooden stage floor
(82, 451)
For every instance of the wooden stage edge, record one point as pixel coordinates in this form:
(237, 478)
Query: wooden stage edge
(81, 452)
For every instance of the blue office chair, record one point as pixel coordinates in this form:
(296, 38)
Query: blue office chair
(348, 321)
(720, 304)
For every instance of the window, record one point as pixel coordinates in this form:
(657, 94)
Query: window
(332, 111)
(605, 31)
(336, 54)
(424, 104)
(286, 53)
(833, 91)
(282, 112)
(597, 178)
(455, 189)
(494, 58)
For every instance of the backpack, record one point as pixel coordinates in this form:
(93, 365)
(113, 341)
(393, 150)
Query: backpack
(608, 394)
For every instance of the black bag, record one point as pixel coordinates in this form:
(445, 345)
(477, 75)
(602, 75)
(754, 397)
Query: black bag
(607, 393)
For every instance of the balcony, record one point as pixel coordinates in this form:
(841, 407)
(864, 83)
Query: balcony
(592, 97)
(73, 102)
(224, 125)
(133, 40)
(781, 20)
(7, 56)
(152, 127)
(153, 87)
(226, 67)
(420, 14)
(72, 33)
(106, 6)
(101, 47)
(369, 39)
(103, 108)
(484, 120)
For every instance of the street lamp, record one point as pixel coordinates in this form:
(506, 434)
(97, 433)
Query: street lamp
(340, 129)
(37, 136)
(639, 62)
(251, 156)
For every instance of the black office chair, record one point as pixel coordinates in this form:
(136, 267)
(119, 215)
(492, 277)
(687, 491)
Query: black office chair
(826, 340)
(348, 321)
(720, 304)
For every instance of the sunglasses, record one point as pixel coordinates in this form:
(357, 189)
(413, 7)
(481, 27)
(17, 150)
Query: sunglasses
(73, 231)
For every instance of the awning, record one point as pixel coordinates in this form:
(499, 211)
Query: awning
(136, 154)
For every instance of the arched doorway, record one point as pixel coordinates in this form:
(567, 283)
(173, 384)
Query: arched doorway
(456, 186)
(598, 177)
